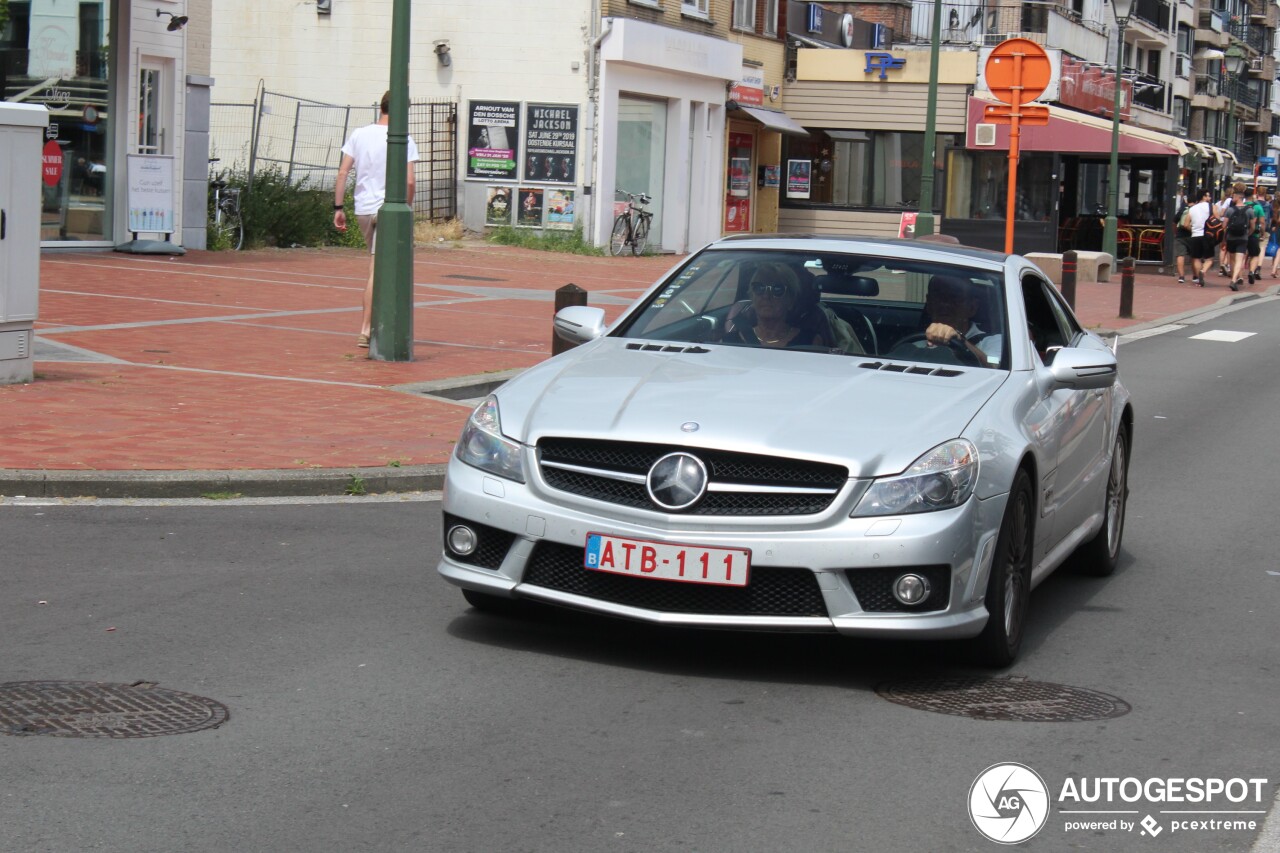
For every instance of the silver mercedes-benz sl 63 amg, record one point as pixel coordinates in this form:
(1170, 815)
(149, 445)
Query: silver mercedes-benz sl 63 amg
(880, 438)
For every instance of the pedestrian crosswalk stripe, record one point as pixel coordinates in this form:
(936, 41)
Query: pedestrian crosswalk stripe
(1223, 335)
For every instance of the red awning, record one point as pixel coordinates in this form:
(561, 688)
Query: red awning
(1069, 132)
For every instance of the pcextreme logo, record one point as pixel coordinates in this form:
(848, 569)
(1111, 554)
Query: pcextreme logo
(1008, 803)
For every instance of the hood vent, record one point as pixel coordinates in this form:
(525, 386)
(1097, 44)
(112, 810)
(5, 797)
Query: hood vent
(667, 348)
(914, 369)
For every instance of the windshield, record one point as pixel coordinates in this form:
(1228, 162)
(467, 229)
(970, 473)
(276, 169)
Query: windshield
(831, 302)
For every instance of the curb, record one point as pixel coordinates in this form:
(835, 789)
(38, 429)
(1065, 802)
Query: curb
(1225, 302)
(194, 484)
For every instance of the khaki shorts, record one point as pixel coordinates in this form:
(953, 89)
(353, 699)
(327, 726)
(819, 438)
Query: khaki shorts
(369, 228)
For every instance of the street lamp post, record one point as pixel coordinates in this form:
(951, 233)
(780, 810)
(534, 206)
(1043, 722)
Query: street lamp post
(1235, 60)
(1122, 10)
(924, 219)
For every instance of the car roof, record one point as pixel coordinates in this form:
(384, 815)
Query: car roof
(864, 244)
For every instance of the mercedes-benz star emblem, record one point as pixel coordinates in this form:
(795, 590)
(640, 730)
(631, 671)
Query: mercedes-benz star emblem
(677, 481)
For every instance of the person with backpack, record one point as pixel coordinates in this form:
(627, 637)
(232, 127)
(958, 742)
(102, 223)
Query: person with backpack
(1259, 235)
(1203, 247)
(1240, 225)
(1182, 240)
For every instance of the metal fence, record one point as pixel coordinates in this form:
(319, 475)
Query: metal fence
(303, 140)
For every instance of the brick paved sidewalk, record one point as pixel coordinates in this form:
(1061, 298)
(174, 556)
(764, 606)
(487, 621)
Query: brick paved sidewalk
(225, 361)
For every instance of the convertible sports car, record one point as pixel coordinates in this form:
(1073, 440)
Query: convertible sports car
(875, 437)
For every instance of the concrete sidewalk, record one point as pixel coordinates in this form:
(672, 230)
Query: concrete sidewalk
(239, 372)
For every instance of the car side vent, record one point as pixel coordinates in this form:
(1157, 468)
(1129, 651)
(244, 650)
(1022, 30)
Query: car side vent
(913, 369)
(668, 348)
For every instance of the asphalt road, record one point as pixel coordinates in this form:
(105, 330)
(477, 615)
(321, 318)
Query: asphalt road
(372, 710)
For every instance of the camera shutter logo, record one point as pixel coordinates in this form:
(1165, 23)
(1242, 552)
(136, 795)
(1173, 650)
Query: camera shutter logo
(1008, 803)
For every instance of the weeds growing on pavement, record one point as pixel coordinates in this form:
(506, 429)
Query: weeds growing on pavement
(567, 242)
(220, 496)
(428, 232)
(355, 486)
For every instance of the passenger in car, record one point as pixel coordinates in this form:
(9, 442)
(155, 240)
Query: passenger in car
(952, 304)
(766, 319)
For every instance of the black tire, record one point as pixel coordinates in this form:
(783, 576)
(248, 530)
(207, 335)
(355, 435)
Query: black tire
(1009, 586)
(1098, 557)
(486, 603)
(641, 236)
(618, 239)
(235, 229)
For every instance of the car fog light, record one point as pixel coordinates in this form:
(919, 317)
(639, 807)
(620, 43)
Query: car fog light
(911, 589)
(462, 540)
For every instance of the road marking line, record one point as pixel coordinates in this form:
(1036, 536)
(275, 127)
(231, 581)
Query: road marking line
(1222, 335)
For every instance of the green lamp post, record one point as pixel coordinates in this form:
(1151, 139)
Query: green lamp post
(924, 219)
(1122, 10)
(1235, 61)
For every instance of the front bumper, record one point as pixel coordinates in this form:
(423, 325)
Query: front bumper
(829, 553)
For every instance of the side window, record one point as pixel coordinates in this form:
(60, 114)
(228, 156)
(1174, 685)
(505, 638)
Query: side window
(1047, 325)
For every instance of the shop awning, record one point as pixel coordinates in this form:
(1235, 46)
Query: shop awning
(1072, 132)
(775, 120)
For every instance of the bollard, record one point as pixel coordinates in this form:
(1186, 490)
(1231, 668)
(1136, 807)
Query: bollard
(568, 295)
(1069, 277)
(1126, 289)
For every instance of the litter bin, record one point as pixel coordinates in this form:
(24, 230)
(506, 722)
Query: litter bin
(24, 170)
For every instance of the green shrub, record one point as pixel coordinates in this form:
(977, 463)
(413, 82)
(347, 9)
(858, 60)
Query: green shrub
(278, 213)
(569, 242)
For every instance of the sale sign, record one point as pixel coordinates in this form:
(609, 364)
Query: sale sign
(51, 170)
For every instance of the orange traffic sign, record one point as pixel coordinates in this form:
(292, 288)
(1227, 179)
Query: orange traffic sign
(1018, 71)
(1028, 114)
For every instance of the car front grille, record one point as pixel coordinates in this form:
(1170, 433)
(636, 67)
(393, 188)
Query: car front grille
(874, 589)
(771, 591)
(492, 544)
(614, 472)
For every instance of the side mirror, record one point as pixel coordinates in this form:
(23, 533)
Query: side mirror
(1084, 368)
(579, 324)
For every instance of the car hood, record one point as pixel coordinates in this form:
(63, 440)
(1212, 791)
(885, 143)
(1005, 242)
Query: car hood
(776, 402)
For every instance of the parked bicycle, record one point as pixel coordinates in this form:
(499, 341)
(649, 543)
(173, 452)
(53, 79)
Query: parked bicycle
(225, 223)
(631, 227)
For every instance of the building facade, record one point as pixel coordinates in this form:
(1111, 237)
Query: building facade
(125, 86)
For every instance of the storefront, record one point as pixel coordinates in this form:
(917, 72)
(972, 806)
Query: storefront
(662, 130)
(58, 54)
(858, 170)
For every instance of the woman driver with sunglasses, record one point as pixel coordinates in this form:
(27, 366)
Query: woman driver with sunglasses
(766, 322)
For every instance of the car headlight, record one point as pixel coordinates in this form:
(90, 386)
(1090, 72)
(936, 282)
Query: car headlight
(483, 445)
(941, 479)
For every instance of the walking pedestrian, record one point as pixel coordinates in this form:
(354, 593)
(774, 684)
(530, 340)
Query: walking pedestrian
(1258, 235)
(1202, 246)
(1240, 225)
(366, 151)
(1182, 240)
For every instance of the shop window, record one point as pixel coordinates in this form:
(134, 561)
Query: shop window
(978, 186)
(859, 169)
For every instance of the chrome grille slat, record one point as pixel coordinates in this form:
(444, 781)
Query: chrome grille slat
(740, 483)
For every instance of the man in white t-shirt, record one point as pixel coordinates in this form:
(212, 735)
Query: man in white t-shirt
(366, 151)
(1202, 247)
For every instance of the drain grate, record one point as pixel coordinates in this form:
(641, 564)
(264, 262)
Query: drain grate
(1006, 698)
(92, 710)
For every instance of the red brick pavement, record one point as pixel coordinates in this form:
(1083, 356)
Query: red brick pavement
(211, 368)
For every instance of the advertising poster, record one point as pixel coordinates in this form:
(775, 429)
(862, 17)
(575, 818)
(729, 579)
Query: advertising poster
(493, 131)
(737, 215)
(799, 178)
(740, 176)
(529, 214)
(772, 177)
(150, 192)
(907, 225)
(497, 209)
(551, 143)
(560, 209)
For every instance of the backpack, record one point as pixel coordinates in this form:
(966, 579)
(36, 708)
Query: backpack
(1238, 222)
(1213, 227)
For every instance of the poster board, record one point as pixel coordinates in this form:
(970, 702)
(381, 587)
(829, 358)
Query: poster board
(150, 193)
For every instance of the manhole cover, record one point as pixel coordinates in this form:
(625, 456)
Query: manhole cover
(89, 709)
(1007, 698)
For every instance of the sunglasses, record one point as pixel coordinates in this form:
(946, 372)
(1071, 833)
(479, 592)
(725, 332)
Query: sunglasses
(760, 288)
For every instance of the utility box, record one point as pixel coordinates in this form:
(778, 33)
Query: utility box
(25, 166)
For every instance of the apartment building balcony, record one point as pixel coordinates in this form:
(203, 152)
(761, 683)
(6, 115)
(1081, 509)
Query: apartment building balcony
(1151, 93)
(1212, 29)
(1252, 35)
(1151, 16)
